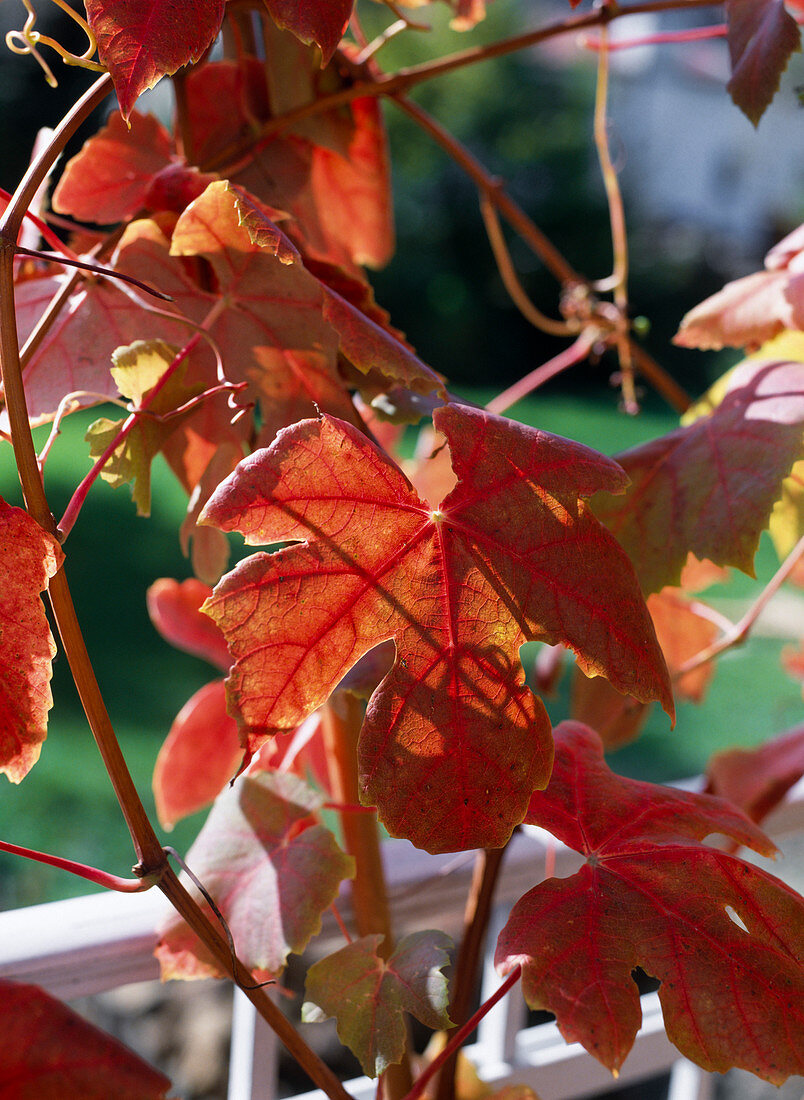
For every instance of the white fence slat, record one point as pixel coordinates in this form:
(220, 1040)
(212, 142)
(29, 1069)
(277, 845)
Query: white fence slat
(253, 1059)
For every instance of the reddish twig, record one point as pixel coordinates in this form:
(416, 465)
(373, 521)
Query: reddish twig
(661, 38)
(575, 353)
(740, 631)
(91, 874)
(462, 1033)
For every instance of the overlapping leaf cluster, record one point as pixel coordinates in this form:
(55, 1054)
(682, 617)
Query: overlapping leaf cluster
(264, 381)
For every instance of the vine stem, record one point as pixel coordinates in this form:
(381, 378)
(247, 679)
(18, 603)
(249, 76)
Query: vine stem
(475, 926)
(463, 1033)
(505, 266)
(740, 631)
(152, 860)
(491, 187)
(575, 353)
(342, 718)
(91, 874)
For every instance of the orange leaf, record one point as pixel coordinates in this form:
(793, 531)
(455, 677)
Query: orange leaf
(30, 558)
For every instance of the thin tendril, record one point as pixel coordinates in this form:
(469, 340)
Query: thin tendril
(220, 918)
(27, 41)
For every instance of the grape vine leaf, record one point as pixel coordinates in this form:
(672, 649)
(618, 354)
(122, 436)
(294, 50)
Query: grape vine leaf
(757, 780)
(786, 525)
(454, 742)
(272, 871)
(708, 488)
(725, 938)
(200, 754)
(265, 311)
(30, 558)
(140, 41)
(750, 311)
(136, 370)
(109, 178)
(321, 21)
(368, 995)
(52, 1053)
(762, 35)
(202, 750)
(333, 178)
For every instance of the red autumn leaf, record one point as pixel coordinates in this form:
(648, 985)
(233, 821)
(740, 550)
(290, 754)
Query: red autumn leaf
(761, 37)
(271, 870)
(352, 192)
(140, 41)
(202, 751)
(321, 21)
(754, 309)
(725, 938)
(757, 780)
(30, 558)
(454, 742)
(709, 488)
(174, 608)
(50, 1052)
(108, 179)
(369, 995)
(264, 315)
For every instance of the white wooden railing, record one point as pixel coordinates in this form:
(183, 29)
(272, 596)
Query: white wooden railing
(102, 941)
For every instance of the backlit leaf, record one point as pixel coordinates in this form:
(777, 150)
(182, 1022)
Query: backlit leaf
(271, 870)
(752, 310)
(762, 35)
(453, 742)
(725, 939)
(137, 369)
(50, 1052)
(369, 995)
(682, 632)
(110, 177)
(75, 353)
(174, 607)
(30, 558)
(200, 755)
(330, 173)
(321, 21)
(140, 41)
(708, 488)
